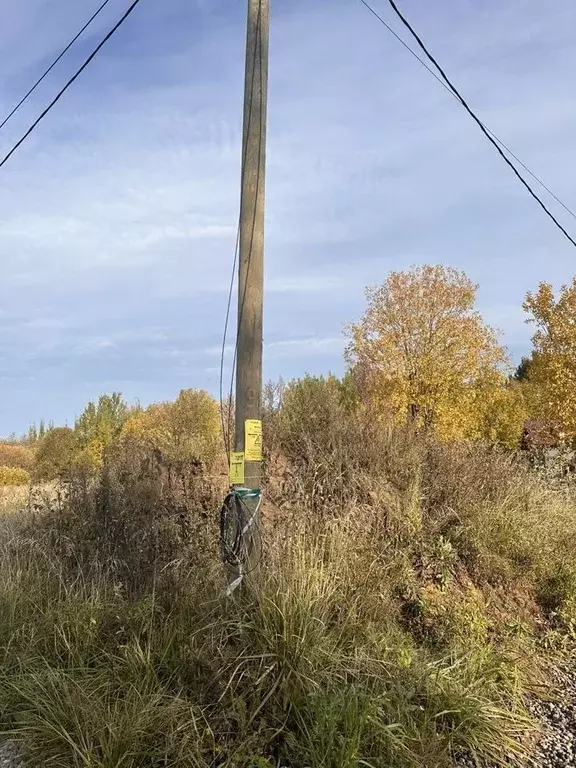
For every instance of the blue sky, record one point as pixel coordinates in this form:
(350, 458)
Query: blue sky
(118, 216)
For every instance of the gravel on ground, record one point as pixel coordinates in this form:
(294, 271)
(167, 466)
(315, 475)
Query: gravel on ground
(9, 756)
(557, 745)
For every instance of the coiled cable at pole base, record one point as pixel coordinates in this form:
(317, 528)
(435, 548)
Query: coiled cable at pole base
(238, 536)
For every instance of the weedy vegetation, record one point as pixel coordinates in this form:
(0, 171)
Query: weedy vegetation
(406, 595)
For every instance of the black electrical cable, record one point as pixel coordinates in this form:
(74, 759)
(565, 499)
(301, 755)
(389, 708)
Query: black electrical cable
(226, 428)
(492, 138)
(69, 83)
(454, 96)
(56, 60)
(231, 527)
(235, 517)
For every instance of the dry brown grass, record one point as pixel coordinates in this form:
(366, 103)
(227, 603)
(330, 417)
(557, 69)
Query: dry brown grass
(13, 498)
(20, 498)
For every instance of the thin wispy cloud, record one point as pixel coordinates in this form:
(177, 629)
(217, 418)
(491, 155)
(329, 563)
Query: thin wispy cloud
(118, 216)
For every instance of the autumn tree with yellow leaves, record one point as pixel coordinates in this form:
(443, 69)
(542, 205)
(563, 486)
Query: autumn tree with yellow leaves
(552, 376)
(423, 351)
(97, 428)
(186, 430)
(56, 453)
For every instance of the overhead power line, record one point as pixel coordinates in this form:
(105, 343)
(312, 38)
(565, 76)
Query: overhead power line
(69, 83)
(56, 60)
(454, 96)
(498, 144)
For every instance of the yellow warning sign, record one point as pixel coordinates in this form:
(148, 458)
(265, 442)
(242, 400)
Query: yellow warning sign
(253, 440)
(236, 469)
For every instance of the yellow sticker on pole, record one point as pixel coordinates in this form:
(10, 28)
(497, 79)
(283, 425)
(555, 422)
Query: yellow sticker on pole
(253, 440)
(236, 469)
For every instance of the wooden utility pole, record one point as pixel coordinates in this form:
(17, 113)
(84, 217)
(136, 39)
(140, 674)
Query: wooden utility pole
(251, 263)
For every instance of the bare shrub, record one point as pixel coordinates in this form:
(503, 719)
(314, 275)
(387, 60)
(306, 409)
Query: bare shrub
(142, 517)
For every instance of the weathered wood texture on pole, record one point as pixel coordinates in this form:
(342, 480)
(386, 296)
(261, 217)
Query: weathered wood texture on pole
(251, 263)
